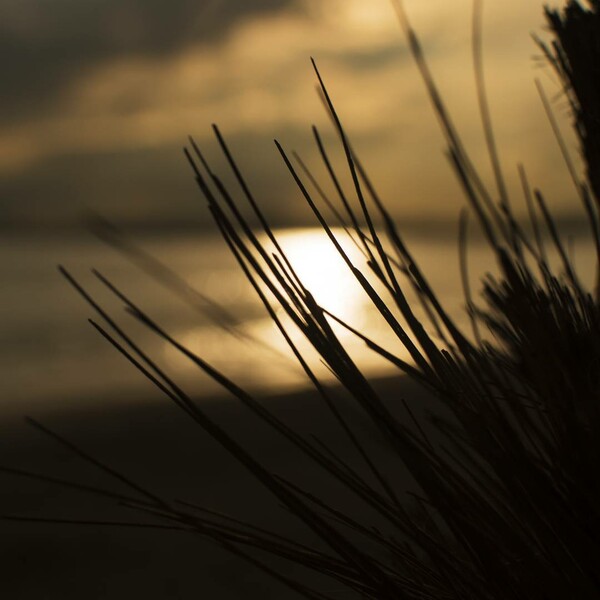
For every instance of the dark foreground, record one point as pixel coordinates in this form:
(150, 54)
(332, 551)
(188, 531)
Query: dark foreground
(162, 449)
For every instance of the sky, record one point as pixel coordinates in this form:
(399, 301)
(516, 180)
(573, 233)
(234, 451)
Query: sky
(99, 96)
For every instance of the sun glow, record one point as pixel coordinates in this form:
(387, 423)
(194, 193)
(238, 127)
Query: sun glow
(376, 17)
(257, 354)
(323, 271)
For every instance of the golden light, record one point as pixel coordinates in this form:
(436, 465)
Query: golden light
(373, 16)
(323, 271)
(267, 361)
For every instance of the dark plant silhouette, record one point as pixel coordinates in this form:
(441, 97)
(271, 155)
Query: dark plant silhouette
(575, 57)
(506, 501)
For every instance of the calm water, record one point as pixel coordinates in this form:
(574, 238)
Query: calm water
(51, 358)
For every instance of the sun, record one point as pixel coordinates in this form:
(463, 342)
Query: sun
(322, 270)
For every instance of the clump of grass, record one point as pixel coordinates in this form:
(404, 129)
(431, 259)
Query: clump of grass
(508, 504)
(575, 55)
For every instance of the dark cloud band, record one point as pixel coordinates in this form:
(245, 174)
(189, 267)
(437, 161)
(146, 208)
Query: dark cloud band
(46, 44)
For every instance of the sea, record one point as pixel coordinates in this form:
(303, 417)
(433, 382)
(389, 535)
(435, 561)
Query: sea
(52, 358)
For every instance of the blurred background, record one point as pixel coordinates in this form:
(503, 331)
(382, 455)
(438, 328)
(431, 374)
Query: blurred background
(98, 100)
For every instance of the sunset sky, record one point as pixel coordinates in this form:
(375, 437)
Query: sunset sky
(100, 95)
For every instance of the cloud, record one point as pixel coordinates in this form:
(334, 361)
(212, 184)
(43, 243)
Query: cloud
(138, 93)
(47, 45)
